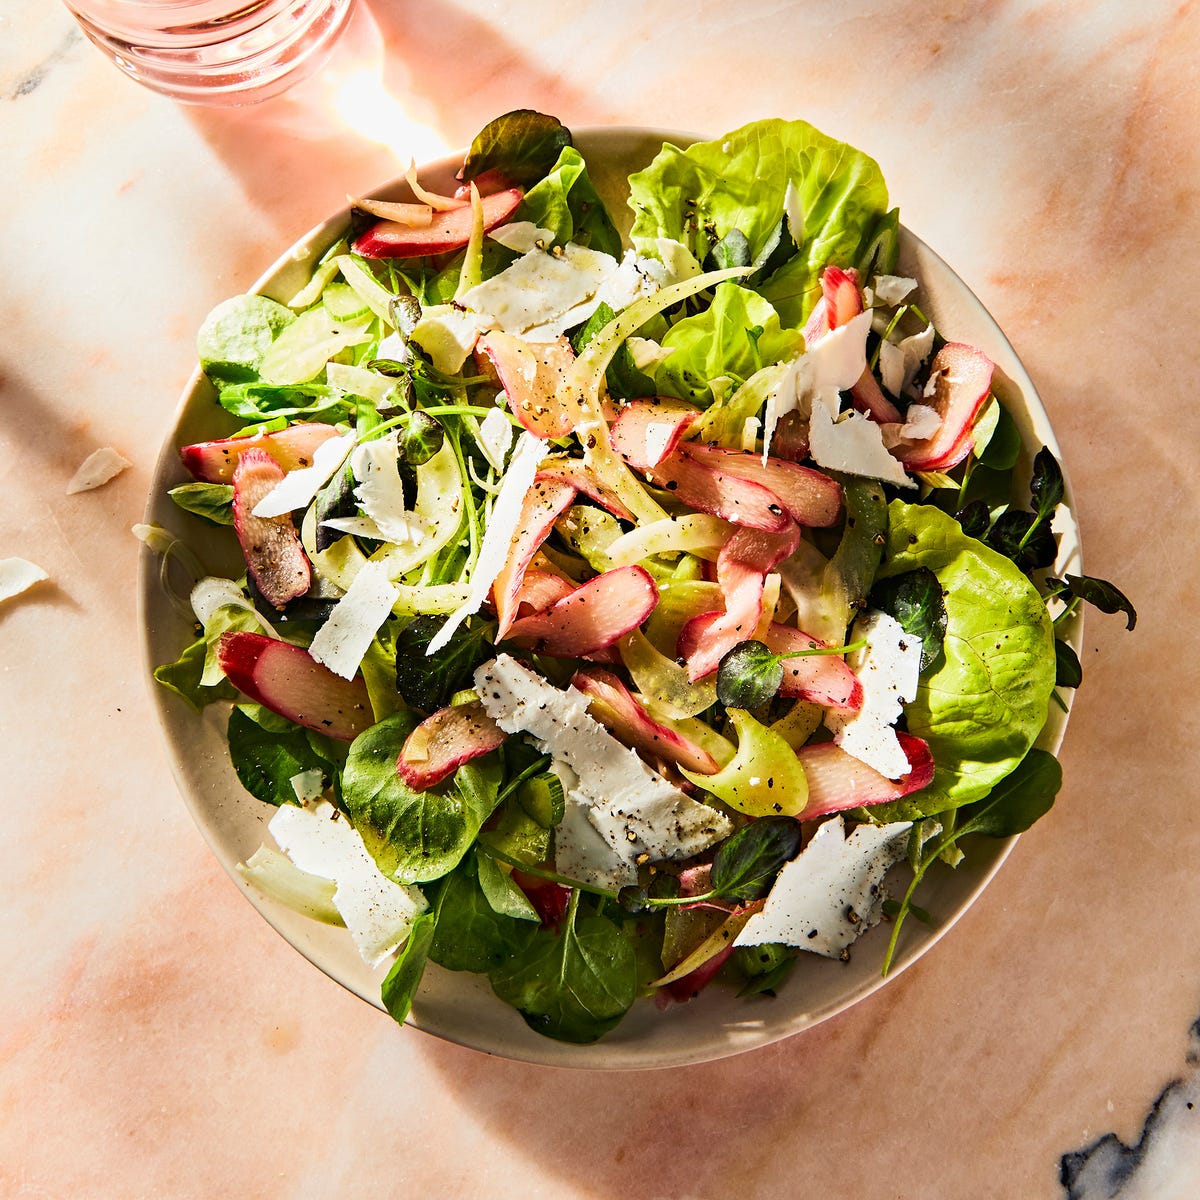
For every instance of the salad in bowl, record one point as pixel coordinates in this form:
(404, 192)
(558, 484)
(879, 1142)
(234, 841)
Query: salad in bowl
(622, 573)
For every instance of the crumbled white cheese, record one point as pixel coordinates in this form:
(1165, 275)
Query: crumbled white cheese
(350, 628)
(889, 668)
(522, 236)
(898, 361)
(891, 289)
(298, 487)
(634, 809)
(378, 911)
(497, 537)
(18, 575)
(853, 444)
(97, 469)
(495, 437)
(830, 893)
(448, 333)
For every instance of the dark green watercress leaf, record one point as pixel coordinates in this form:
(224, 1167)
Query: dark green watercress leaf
(402, 981)
(748, 676)
(1046, 484)
(421, 438)
(279, 402)
(267, 750)
(745, 864)
(470, 934)
(1025, 538)
(212, 501)
(414, 836)
(1068, 671)
(522, 145)
(575, 984)
(1018, 800)
(915, 600)
(1105, 596)
(427, 681)
(974, 518)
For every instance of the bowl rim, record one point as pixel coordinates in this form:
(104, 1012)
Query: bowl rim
(175, 717)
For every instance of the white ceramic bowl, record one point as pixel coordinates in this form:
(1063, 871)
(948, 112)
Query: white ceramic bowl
(461, 1007)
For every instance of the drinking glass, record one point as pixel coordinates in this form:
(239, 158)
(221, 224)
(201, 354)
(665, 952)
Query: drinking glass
(223, 52)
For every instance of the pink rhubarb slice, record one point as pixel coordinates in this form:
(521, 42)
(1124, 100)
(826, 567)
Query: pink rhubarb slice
(215, 462)
(449, 229)
(270, 545)
(289, 681)
(444, 741)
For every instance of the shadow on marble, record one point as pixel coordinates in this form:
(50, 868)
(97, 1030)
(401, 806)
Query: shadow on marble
(407, 81)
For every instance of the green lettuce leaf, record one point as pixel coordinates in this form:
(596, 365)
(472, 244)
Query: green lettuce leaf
(733, 338)
(739, 182)
(566, 202)
(414, 836)
(984, 705)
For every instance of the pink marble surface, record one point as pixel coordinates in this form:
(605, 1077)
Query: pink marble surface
(158, 1040)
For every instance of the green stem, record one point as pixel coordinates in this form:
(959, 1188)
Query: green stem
(541, 872)
(534, 768)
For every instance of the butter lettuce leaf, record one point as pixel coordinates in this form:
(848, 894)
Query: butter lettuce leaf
(983, 705)
(414, 836)
(732, 339)
(566, 202)
(838, 211)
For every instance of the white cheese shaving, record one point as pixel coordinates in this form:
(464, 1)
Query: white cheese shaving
(448, 333)
(495, 437)
(97, 469)
(497, 537)
(543, 293)
(830, 366)
(298, 487)
(580, 852)
(18, 575)
(634, 809)
(921, 422)
(522, 236)
(898, 361)
(830, 893)
(891, 289)
(889, 669)
(378, 911)
(795, 214)
(350, 628)
(676, 262)
(854, 444)
(308, 785)
(750, 429)
(380, 492)
(647, 355)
